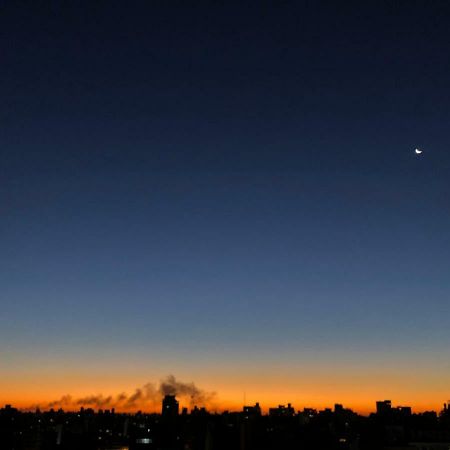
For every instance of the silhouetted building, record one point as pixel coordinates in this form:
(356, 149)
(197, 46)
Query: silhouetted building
(403, 411)
(338, 408)
(170, 406)
(384, 407)
(309, 412)
(282, 411)
(252, 410)
(199, 411)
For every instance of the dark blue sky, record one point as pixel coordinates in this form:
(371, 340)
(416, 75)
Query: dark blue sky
(224, 175)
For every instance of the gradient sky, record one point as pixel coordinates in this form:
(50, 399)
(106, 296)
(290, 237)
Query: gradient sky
(227, 193)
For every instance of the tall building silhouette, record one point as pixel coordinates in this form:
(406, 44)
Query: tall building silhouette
(170, 406)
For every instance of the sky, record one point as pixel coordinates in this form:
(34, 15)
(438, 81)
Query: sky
(228, 193)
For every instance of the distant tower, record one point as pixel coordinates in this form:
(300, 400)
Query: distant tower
(384, 407)
(170, 406)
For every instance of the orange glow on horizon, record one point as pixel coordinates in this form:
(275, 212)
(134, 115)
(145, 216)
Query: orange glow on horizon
(362, 405)
(317, 381)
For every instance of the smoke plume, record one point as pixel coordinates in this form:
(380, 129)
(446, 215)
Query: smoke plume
(170, 386)
(147, 397)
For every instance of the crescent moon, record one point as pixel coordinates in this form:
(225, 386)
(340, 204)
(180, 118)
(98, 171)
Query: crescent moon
(418, 151)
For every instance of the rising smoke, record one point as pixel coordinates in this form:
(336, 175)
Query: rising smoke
(170, 386)
(146, 397)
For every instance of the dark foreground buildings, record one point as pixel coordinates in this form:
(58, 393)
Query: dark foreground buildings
(282, 429)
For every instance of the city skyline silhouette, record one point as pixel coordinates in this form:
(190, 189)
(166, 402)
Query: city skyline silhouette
(175, 427)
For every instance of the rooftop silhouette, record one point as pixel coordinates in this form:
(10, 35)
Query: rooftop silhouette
(249, 429)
